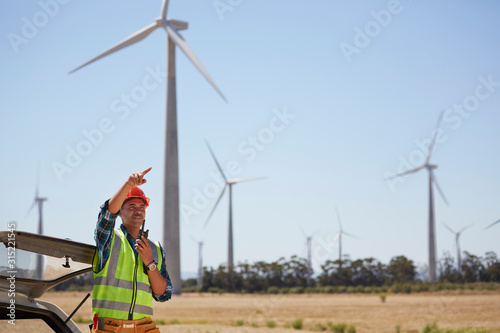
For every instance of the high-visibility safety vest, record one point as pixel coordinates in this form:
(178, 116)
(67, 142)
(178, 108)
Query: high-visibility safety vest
(121, 289)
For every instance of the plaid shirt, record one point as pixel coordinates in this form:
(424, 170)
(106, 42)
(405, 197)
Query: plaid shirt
(103, 235)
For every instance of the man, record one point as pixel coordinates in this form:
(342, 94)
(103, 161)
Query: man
(129, 269)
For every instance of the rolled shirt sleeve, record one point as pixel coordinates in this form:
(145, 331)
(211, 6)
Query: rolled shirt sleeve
(163, 271)
(103, 233)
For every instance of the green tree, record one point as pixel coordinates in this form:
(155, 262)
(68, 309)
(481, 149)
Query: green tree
(295, 272)
(448, 271)
(367, 272)
(492, 265)
(401, 270)
(250, 281)
(472, 268)
(337, 273)
(276, 273)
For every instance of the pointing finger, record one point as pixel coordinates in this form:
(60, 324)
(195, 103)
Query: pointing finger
(146, 171)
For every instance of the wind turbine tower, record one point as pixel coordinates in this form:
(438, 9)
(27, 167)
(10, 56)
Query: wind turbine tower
(199, 278)
(432, 182)
(199, 283)
(308, 245)
(457, 244)
(309, 270)
(228, 184)
(39, 202)
(171, 232)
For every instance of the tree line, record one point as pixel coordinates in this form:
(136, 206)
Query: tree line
(369, 272)
(288, 275)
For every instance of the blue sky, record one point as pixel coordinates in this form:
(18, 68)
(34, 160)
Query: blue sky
(325, 99)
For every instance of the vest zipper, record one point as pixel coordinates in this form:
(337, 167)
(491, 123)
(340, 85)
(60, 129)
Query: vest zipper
(134, 291)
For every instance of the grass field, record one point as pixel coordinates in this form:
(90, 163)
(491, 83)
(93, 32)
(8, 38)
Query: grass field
(205, 313)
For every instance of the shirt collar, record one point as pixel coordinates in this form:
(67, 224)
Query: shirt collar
(129, 236)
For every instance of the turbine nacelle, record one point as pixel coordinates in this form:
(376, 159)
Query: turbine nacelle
(431, 166)
(175, 24)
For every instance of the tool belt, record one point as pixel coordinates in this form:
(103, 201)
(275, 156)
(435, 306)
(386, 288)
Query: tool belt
(145, 325)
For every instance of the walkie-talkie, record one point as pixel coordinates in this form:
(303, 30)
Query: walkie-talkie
(144, 233)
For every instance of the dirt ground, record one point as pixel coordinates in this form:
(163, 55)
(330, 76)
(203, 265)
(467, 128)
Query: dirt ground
(210, 313)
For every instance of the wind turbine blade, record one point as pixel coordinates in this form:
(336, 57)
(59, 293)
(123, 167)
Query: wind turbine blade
(434, 180)
(37, 182)
(338, 218)
(33, 205)
(134, 38)
(164, 9)
(433, 142)
(465, 228)
(302, 230)
(407, 172)
(451, 230)
(492, 224)
(350, 235)
(36, 192)
(216, 162)
(304, 247)
(334, 240)
(215, 206)
(179, 41)
(239, 180)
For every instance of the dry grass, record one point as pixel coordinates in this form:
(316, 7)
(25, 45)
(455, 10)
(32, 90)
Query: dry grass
(219, 313)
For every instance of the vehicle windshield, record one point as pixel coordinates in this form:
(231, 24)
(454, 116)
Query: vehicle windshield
(39, 262)
(34, 266)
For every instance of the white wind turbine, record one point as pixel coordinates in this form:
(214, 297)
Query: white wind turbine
(457, 244)
(432, 181)
(492, 224)
(228, 184)
(171, 232)
(38, 201)
(339, 236)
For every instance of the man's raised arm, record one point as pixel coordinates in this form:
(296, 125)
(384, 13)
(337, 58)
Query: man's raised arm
(135, 179)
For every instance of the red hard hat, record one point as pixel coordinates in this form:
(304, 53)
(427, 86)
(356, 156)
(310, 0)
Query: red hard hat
(136, 192)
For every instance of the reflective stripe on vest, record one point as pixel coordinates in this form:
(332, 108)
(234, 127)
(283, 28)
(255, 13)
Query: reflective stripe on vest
(126, 291)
